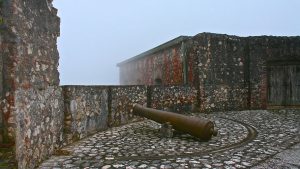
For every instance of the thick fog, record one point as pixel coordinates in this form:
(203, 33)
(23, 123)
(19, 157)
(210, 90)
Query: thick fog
(98, 34)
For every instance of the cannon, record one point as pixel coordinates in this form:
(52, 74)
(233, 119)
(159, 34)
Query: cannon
(201, 128)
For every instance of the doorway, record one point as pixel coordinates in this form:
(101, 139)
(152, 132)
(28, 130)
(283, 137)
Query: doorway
(284, 84)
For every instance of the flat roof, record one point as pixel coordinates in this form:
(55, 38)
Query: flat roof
(156, 49)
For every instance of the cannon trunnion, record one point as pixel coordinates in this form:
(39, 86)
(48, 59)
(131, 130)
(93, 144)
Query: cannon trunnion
(198, 127)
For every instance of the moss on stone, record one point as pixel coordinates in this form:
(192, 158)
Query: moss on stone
(7, 158)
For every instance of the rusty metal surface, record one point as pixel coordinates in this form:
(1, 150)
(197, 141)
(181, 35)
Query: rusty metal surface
(198, 127)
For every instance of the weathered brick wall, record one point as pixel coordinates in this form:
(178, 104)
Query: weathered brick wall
(31, 99)
(263, 50)
(173, 98)
(221, 77)
(86, 111)
(166, 65)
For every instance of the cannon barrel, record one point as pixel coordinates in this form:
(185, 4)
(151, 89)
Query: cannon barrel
(198, 127)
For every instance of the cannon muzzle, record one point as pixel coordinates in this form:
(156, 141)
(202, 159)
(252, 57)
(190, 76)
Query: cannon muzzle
(198, 127)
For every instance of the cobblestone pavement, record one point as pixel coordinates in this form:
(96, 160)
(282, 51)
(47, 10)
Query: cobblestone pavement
(289, 158)
(246, 139)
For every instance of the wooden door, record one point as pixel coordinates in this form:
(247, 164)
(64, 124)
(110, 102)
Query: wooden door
(293, 78)
(284, 85)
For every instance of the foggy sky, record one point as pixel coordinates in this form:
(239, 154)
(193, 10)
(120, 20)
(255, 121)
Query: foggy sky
(98, 34)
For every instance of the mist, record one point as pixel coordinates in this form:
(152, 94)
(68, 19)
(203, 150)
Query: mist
(96, 35)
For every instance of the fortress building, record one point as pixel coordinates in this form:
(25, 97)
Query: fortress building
(206, 73)
(255, 72)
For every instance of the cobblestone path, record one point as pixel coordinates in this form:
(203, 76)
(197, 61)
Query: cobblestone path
(246, 139)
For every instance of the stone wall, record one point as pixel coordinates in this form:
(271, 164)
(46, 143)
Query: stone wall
(2, 129)
(220, 70)
(7, 44)
(31, 104)
(173, 98)
(164, 64)
(121, 100)
(229, 72)
(263, 51)
(86, 111)
(89, 109)
(39, 117)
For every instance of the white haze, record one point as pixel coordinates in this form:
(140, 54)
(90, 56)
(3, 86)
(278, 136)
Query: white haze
(98, 34)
